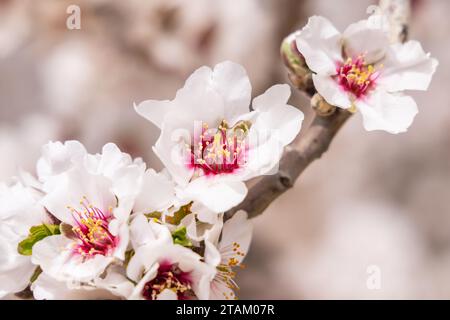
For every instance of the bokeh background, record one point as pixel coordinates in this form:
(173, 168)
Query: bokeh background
(373, 199)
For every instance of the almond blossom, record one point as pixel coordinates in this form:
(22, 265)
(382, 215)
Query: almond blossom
(158, 196)
(211, 140)
(163, 270)
(19, 210)
(360, 69)
(227, 253)
(104, 226)
(112, 286)
(92, 196)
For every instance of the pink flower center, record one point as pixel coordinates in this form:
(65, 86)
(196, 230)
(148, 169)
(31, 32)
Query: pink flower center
(92, 231)
(219, 151)
(169, 277)
(356, 76)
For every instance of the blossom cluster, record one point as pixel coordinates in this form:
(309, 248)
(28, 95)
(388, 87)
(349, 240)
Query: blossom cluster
(104, 226)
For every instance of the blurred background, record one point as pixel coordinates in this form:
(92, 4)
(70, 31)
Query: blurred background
(374, 202)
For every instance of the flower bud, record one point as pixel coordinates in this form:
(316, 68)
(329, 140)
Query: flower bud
(299, 73)
(321, 107)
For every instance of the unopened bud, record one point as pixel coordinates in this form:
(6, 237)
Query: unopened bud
(292, 58)
(321, 107)
(299, 73)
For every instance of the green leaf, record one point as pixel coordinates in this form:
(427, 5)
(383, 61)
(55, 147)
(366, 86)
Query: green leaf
(37, 233)
(179, 236)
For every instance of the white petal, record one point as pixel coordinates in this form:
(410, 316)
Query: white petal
(69, 189)
(53, 254)
(191, 224)
(279, 118)
(57, 158)
(145, 232)
(157, 193)
(407, 67)
(111, 160)
(48, 288)
(87, 270)
(320, 43)
(203, 275)
(217, 194)
(139, 231)
(275, 96)
(330, 90)
(199, 100)
(136, 294)
(136, 268)
(29, 180)
(287, 122)
(17, 277)
(264, 154)
(115, 282)
(206, 215)
(237, 230)
(212, 254)
(154, 110)
(220, 291)
(366, 38)
(198, 232)
(197, 82)
(388, 112)
(213, 234)
(9, 257)
(208, 95)
(172, 150)
(123, 235)
(231, 81)
(19, 206)
(19, 210)
(126, 187)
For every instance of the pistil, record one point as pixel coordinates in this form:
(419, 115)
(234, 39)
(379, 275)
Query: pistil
(92, 230)
(220, 151)
(356, 76)
(169, 277)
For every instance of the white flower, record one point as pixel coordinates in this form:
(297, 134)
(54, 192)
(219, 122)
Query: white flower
(211, 142)
(58, 157)
(113, 285)
(156, 194)
(19, 211)
(92, 195)
(164, 270)
(360, 69)
(199, 222)
(227, 253)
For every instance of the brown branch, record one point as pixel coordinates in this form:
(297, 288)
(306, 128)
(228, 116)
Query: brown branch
(315, 142)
